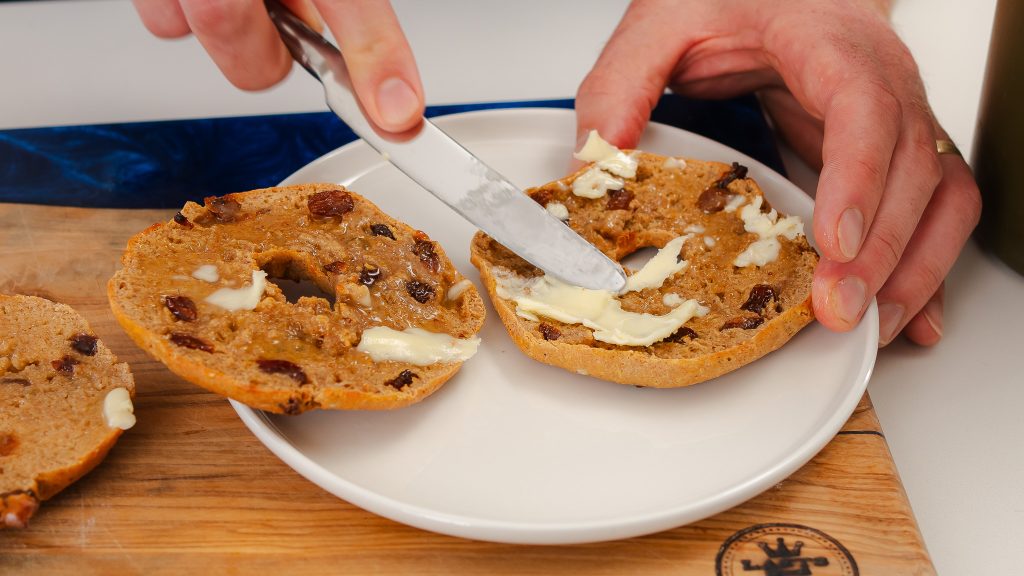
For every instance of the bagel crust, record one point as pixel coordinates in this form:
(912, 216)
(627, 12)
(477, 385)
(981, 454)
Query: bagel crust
(290, 356)
(55, 376)
(752, 310)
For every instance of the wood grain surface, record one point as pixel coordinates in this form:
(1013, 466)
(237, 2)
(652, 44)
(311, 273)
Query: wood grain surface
(190, 490)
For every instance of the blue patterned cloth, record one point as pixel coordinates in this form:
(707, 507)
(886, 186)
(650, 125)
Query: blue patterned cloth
(163, 164)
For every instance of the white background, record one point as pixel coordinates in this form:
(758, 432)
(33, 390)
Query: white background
(951, 414)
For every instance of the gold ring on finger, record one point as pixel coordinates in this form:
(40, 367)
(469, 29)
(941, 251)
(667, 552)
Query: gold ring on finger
(947, 147)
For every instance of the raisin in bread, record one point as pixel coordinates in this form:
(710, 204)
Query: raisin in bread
(55, 378)
(192, 293)
(742, 303)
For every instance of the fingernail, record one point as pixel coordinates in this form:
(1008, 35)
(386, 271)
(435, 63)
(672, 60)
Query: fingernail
(396, 102)
(848, 297)
(851, 229)
(933, 314)
(890, 317)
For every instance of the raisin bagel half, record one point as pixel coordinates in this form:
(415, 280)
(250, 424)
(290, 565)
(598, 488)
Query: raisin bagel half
(749, 310)
(188, 293)
(56, 422)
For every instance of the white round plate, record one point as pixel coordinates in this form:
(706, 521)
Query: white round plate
(511, 450)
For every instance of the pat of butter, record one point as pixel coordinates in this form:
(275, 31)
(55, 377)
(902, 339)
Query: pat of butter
(358, 294)
(558, 210)
(206, 273)
(458, 288)
(118, 410)
(769, 229)
(607, 156)
(600, 311)
(671, 163)
(734, 202)
(244, 298)
(671, 299)
(759, 253)
(415, 346)
(658, 269)
(595, 183)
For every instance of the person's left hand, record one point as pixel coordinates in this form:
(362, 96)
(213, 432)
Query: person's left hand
(890, 215)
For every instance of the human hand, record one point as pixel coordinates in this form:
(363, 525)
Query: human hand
(243, 42)
(891, 215)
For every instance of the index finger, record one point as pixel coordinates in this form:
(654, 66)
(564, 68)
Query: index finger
(862, 126)
(379, 60)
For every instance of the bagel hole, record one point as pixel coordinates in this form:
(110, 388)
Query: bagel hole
(295, 289)
(289, 274)
(638, 259)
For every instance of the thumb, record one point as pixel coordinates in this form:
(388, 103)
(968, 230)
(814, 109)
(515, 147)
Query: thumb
(617, 96)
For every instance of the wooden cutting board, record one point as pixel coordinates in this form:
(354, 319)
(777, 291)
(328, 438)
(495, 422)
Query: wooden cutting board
(190, 490)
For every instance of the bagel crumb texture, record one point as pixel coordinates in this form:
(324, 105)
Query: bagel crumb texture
(280, 353)
(55, 375)
(752, 310)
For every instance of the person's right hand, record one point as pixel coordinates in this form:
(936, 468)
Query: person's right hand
(245, 45)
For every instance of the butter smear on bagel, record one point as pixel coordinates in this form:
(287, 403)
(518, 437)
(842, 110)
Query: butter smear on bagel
(606, 156)
(457, 289)
(595, 183)
(558, 210)
(609, 162)
(206, 273)
(244, 298)
(768, 228)
(658, 269)
(415, 346)
(734, 202)
(600, 310)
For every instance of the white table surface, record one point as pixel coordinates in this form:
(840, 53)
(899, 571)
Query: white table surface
(951, 414)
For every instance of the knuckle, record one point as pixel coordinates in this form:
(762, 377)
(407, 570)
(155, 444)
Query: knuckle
(918, 108)
(903, 57)
(925, 159)
(869, 172)
(368, 52)
(913, 286)
(377, 47)
(889, 247)
(880, 91)
(924, 280)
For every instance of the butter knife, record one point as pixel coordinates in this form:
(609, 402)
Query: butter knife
(451, 173)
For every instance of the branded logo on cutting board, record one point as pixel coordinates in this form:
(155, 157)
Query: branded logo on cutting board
(784, 550)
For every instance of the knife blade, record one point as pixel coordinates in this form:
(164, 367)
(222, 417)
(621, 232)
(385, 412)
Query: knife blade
(447, 170)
